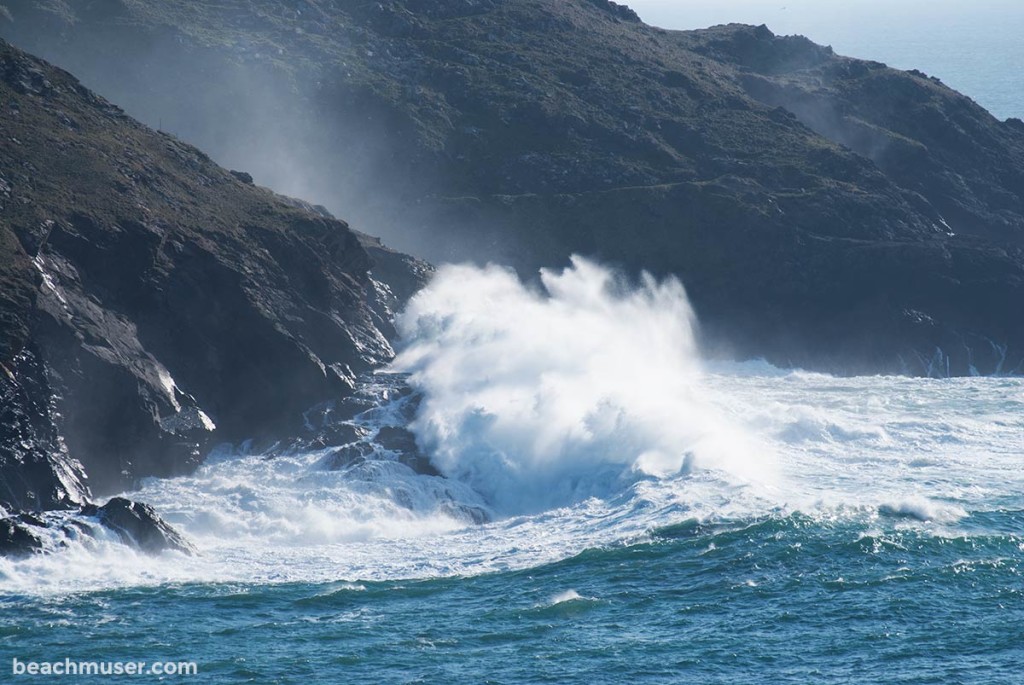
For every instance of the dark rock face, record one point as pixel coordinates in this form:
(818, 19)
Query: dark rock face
(401, 441)
(823, 211)
(17, 537)
(396, 441)
(36, 471)
(347, 456)
(365, 428)
(137, 525)
(153, 302)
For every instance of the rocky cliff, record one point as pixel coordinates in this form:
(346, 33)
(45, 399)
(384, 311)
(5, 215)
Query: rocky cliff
(153, 302)
(822, 210)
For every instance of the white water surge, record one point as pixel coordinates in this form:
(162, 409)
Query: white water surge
(578, 413)
(542, 397)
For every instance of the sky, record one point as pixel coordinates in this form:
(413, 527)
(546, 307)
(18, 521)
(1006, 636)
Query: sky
(843, 16)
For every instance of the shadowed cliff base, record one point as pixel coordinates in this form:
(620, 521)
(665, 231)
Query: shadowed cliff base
(154, 304)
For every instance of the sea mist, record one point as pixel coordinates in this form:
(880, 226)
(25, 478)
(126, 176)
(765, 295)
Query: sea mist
(539, 397)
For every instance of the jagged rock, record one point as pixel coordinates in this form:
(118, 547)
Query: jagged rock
(17, 537)
(36, 471)
(347, 456)
(139, 525)
(150, 303)
(419, 463)
(396, 439)
(335, 435)
(401, 441)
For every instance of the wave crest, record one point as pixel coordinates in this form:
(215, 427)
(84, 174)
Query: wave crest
(543, 396)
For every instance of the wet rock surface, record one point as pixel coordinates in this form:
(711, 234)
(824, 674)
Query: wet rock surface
(370, 425)
(153, 303)
(36, 470)
(137, 526)
(367, 437)
(18, 537)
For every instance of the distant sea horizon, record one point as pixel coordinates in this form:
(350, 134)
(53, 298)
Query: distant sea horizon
(974, 47)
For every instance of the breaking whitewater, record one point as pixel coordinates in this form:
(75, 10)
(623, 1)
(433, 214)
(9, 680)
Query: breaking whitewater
(608, 507)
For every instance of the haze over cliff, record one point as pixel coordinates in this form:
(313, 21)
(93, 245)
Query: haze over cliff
(154, 303)
(822, 210)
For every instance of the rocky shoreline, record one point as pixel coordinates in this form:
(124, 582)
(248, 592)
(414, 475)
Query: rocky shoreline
(136, 525)
(823, 212)
(155, 304)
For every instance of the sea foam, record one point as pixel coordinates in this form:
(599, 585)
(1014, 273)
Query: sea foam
(577, 412)
(539, 397)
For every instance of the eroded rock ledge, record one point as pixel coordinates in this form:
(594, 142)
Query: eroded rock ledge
(153, 303)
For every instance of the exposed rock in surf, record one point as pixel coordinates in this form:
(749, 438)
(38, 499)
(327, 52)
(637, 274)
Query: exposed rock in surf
(477, 515)
(359, 443)
(136, 525)
(396, 439)
(401, 441)
(18, 537)
(372, 424)
(337, 434)
(347, 456)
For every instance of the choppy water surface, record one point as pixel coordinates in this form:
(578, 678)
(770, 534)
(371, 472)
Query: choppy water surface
(710, 523)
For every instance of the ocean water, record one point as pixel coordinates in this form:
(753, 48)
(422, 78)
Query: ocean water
(647, 516)
(973, 46)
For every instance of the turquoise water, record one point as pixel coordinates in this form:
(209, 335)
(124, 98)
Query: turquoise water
(617, 509)
(974, 47)
(784, 599)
